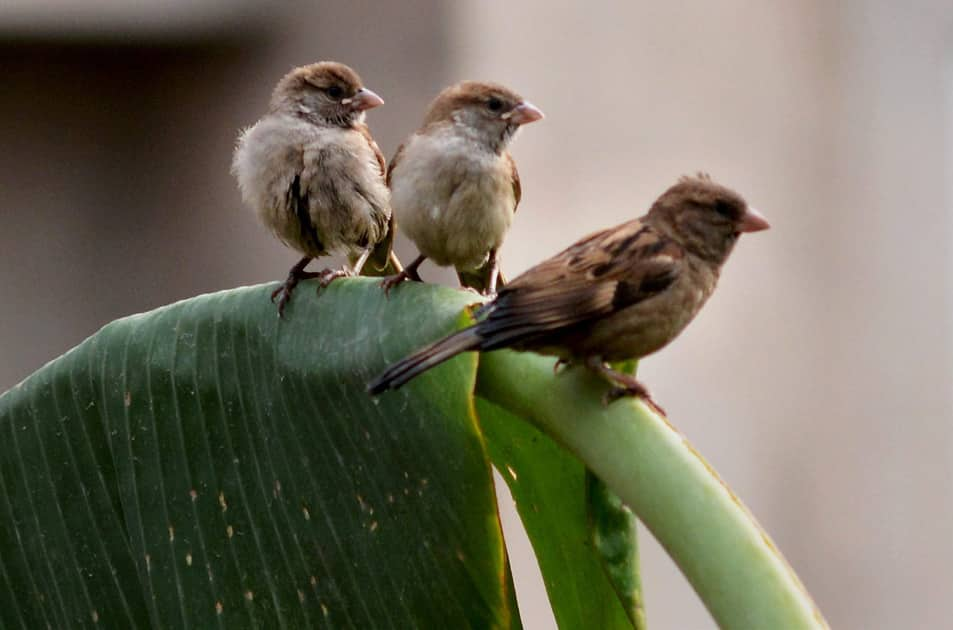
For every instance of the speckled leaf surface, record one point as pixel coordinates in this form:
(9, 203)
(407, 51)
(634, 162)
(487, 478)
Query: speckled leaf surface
(614, 539)
(207, 465)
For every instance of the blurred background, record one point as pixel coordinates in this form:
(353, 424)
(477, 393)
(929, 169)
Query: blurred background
(818, 379)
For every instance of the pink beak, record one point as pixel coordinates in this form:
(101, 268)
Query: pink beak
(363, 99)
(524, 113)
(753, 221)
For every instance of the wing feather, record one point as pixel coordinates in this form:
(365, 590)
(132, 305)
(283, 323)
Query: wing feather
(394, 161)
(380, 259)
(601, 274)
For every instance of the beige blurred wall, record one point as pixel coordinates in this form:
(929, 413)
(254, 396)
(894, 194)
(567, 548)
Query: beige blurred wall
(817, 381)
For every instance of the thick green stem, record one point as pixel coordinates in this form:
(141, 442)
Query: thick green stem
(730, 562)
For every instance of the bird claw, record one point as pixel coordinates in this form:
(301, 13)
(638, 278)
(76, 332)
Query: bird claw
(559, 364)
(625, 391)
(284, 291)
(283, 295)
(327, 276)
(295, 275)
(407, 273)
(390, 282)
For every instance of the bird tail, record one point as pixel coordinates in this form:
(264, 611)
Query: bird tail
(383, 261)
(479, 278)
(424, 359)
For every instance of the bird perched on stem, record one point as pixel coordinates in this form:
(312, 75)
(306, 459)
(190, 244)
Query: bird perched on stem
(619, 294)
(313, 174)
(455, 187)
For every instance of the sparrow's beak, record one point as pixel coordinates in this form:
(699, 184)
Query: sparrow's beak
(523, 113)
(753, 221)
(363, 99)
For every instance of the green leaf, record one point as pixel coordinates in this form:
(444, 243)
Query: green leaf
(614, 538)
(549, 488)
(730, 562)
(208, 465)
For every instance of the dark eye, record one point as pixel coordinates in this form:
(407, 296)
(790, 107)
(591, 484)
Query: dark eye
(726, 209)
(494, 104)
(335, 91)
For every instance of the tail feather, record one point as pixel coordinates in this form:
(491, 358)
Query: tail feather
(424, 359)
(479, 279)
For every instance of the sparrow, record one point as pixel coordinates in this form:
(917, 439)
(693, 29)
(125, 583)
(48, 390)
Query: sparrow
(616, 295)
(313, 174)
(454, 186)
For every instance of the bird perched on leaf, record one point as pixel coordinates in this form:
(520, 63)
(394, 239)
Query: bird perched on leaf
(313, 174)
(454, 186)
(619, 294)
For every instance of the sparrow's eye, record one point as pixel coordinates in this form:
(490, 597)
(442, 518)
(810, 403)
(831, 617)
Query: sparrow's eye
(727, 210)
(494, 104)
(335, 91)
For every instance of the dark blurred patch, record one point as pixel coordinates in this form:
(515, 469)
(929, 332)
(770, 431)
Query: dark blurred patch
(115, 189)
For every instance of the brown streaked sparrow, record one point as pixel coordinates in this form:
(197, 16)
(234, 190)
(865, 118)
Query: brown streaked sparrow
(454, 186)
(314, 176)
(619, 294)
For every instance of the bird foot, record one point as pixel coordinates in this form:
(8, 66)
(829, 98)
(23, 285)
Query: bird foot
(392, 281)
(623, 385)
(559, 364)
(636, 390)
(283, 293)
(327, 276)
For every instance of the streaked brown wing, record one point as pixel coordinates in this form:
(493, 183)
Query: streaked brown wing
(298, 200)
(383, 261)
(380, 259)
(515, 178)
(394, 161)
(593, 278)
(366, 132)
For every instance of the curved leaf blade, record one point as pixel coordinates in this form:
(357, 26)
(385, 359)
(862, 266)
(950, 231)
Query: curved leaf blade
(549, 487)
(613, 535)
(728, 559)
(207, 464)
